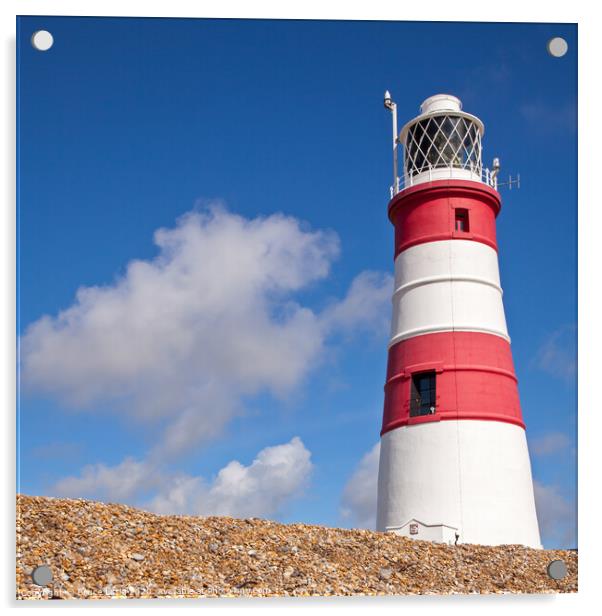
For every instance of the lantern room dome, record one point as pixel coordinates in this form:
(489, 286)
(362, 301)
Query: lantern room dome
(441, 102)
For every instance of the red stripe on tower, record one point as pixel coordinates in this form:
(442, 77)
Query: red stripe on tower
(455, 209)
(475, 379)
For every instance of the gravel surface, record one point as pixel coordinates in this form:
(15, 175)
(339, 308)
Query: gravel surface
(102, 551)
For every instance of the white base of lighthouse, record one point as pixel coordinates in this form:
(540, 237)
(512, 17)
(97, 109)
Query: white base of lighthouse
(467, 476)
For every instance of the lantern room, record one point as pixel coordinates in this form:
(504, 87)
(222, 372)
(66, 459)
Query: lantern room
(442, 142)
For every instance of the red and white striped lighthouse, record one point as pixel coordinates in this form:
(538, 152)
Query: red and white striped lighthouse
(454, 463)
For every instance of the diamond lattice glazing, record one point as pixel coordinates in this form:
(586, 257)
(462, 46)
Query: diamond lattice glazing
(443, 141)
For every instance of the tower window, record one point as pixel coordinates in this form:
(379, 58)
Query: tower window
(423, 394)
(462, 220)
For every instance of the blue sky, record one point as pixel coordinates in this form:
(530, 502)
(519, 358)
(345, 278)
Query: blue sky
(126, 125)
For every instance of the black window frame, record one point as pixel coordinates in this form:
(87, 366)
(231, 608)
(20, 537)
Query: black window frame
(423, 393)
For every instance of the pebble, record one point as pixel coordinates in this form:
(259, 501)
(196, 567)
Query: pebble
(186, 556)
(137, 557)
(288, 572)
(385, 574)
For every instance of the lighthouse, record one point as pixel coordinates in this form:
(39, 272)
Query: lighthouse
(454, 464)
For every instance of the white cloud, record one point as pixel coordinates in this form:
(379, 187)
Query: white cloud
(549, 444)
(179, 341)
(275, 477)
(261, 489)
(120, 482)
(546, 117)
(558, 355)
(556, 517)
(366, 305)
(359, 496)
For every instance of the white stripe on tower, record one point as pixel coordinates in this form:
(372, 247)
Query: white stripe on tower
(472, 476)
(444, 286)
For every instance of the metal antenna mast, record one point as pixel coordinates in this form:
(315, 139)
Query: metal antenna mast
(392, 107)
